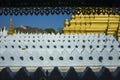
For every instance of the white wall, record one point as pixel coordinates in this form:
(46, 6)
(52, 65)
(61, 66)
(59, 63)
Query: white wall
(11, 50)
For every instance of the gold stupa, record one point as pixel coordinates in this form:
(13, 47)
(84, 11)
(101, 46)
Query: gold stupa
(10, 30)
(93, 23)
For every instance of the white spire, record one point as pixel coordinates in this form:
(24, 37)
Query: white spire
(15, 31)
(0, 31)
(4, 29)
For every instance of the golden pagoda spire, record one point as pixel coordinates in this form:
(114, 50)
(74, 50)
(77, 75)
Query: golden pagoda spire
(10, 30)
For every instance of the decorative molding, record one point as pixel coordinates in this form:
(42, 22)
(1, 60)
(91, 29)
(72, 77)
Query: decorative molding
(58, 10)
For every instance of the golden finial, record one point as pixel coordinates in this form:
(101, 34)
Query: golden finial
(66, 23)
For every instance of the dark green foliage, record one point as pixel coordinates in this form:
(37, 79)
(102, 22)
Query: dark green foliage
(49, 30)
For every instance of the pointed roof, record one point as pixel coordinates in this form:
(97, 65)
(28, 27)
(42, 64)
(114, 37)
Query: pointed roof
(10, 30)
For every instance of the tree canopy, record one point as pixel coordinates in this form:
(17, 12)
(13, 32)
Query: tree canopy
(49, 30)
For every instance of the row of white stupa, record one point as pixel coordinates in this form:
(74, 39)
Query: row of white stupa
(58, 50)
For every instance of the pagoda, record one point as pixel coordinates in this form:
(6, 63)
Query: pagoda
(10, 30)
(93, 23)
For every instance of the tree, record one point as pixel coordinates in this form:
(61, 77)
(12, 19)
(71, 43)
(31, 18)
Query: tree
(49, 30)
(60, 30)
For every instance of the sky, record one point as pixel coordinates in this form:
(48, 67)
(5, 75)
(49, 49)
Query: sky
(41, 21)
